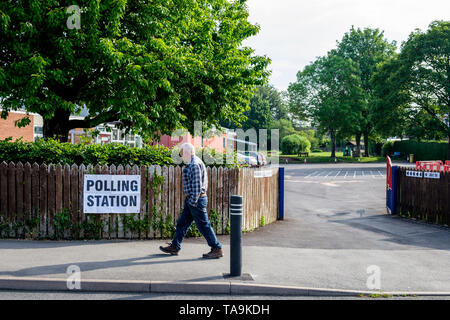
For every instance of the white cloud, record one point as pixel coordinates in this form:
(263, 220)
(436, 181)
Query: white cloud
(295, 32)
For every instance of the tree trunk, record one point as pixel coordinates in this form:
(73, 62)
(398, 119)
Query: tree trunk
(333, 143)
(358, 145)
(366, 144)
(58, 126)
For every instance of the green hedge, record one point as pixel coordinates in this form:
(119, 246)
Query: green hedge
(388, 148)
(421, 150)
(294, 143)
(54, 152)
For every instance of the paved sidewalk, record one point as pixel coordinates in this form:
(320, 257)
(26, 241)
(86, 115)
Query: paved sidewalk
(275, 268)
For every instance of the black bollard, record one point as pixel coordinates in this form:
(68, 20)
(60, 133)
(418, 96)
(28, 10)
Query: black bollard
(236, 209)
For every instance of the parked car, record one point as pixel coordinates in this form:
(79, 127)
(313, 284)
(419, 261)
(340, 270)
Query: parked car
(260, 158)
(248, 160)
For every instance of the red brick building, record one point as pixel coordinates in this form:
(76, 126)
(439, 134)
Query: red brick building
(34, 131)
(28, 133)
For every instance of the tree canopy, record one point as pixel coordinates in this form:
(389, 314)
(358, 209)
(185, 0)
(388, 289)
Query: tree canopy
(152, 66)
(413, 88)
(367, 48)
(328, 92)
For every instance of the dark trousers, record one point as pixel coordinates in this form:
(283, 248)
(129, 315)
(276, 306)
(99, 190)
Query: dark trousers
(200, 216)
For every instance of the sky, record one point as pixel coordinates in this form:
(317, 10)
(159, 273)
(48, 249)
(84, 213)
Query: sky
(294, 32)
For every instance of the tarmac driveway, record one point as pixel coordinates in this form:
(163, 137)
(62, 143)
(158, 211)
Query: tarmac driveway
(343, 207)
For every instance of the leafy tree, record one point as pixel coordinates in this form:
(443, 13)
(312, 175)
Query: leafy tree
(153, 66)
(276, 100)
(327, 92)
(284, 126)
(366, 48)
(259, 116)
(413, 88)
(294, 143)
(314, 137)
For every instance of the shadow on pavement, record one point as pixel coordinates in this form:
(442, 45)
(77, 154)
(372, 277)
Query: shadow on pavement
(97, 265)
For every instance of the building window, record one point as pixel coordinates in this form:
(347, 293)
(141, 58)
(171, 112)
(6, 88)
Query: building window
(38, 130)
(115, 135)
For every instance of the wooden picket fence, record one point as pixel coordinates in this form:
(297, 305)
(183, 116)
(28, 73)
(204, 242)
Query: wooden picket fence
(46, 201)
(424, 198)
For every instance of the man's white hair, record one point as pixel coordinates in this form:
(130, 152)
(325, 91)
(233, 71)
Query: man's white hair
(188, 147)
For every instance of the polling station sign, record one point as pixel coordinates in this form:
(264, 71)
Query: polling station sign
(112, 193)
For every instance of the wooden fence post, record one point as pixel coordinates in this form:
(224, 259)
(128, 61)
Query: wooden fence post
(51, 194)
(177, 187)
(43, 174)
(104, 217)
(136, 216)
(35, 217)
(219, 200)
(81, 216)
(3, 196)
(150, 234)
(74, 184)
(27, 194)
(226, 196)
(119, 222)
(12, 197)
(165, 197)
(19, 199)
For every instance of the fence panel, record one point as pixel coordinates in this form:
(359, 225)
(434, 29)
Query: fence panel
(33, 198)
(423, 198)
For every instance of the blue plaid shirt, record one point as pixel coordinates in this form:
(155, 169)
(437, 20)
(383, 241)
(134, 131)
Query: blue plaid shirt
(195, 180)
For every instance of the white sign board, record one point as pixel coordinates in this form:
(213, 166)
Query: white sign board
(414, 174)
(432, 175)
(263, 173)
(112, 193)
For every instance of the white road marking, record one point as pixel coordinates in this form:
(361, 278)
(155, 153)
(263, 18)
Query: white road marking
(346, 173)
(311, 174)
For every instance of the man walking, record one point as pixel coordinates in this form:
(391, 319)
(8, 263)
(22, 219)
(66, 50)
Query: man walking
(195, 184)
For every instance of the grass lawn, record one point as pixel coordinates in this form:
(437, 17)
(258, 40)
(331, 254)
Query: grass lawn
(325, 157)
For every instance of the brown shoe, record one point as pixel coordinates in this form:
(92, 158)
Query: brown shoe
(169, 249)
(215, 253)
